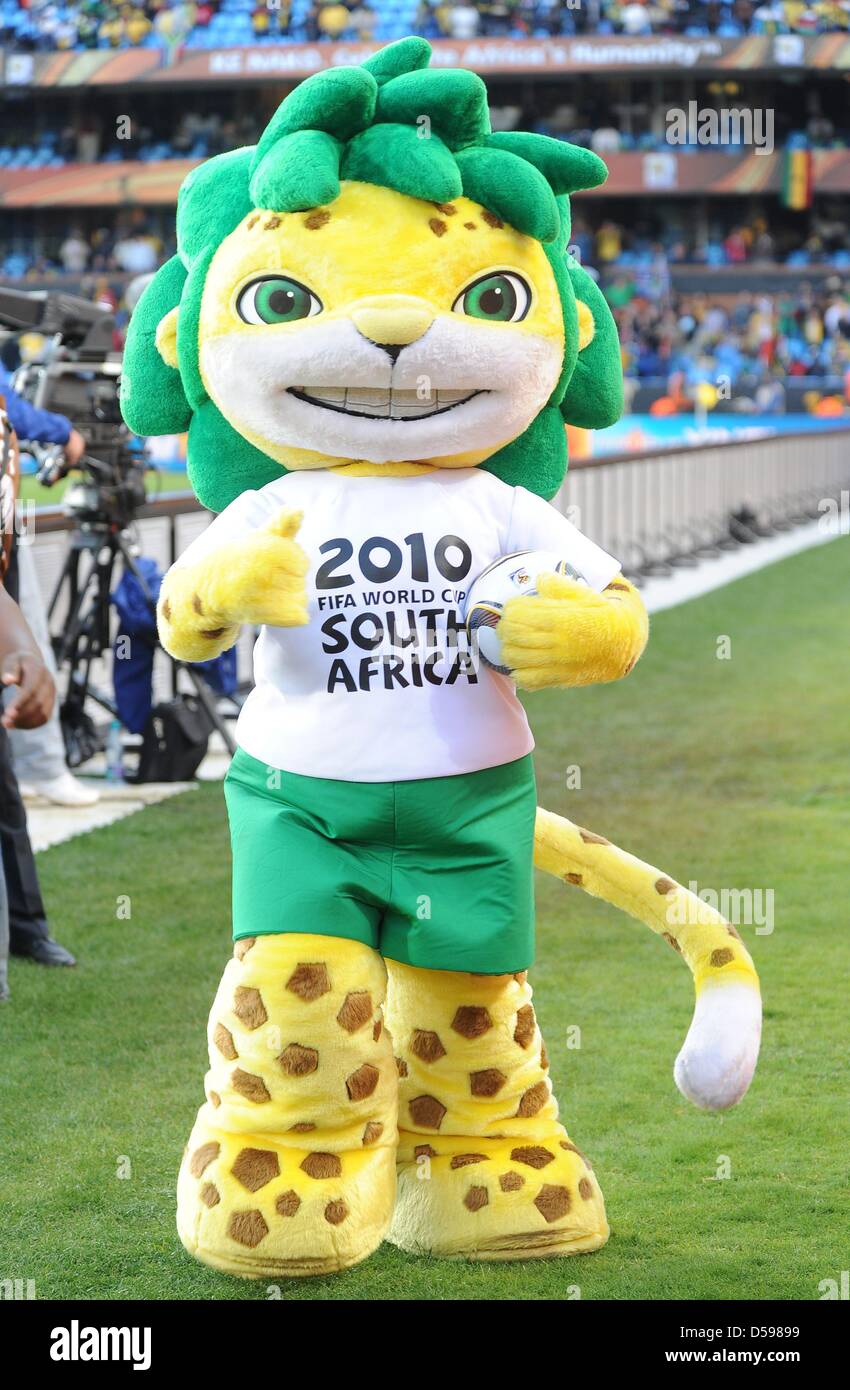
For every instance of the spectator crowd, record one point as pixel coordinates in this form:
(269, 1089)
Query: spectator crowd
(748, 339)
(47, 25)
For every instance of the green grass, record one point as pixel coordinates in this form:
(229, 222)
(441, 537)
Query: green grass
(729, 772)
(162, 481)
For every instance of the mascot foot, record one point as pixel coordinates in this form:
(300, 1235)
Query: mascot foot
(290, 1169)
(259, 1209)
(497, 1199)
(485, 1169)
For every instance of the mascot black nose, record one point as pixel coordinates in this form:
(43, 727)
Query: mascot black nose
(392, 349)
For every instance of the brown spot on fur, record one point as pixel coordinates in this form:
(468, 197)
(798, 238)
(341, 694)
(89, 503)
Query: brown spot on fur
(574, 878)
(270, 225)
(356, 1010)
(571, 1148)
(427, 1111)
(252, 221)
(255, 1167)
(424, 1151)
(336, 1212)
(372, 1132)
(297, 1060)
(438, 226)
(401, 1066)
(213, 632)
(377, 1029)
(317, 219)
(585, 1189)
(426, 1046)
(615, 585)
(544, 1057)
(722, 956)
(322, 1165)
(590, 838)
(362, 1082)
(197, 605)
(525, 1025)
(534, 1155)
(533, 1100)
(491, 219)
(552, 1202)
(250, 1086)
(463, 1160)
(249, 1008)
(476, 1198)
(671, 941)
(202, 1157)
(511, 1182)
(448, 208)
(210, 1195)
(664, 885)
(166, 610)
(243, 946)
(305, 1127)
(471, 226)
(471, 1021)
(223, 1039)
(309, 980)
(487, 1083)
(215, 1099)
(287, 1203)
(247, 1228)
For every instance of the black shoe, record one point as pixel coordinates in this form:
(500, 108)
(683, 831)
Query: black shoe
(45, 951)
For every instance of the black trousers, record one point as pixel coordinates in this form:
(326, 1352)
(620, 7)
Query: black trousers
(27, 917)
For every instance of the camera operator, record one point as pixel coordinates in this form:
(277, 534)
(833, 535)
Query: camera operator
(39, 425)
(45, 763)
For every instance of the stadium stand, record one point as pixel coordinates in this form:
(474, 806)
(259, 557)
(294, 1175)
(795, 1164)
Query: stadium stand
(43, 26)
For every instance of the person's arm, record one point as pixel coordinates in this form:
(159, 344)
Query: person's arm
(41, 426)
(21, 664)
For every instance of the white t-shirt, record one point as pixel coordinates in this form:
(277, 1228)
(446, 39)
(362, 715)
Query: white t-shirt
(381, 685)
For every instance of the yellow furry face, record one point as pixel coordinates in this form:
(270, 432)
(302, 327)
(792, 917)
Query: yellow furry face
(380, 329)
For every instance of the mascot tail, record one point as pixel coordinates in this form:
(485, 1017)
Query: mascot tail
(719, 1055)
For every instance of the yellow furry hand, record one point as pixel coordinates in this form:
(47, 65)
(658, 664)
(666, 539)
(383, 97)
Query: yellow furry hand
(569, 635)
(257, 580)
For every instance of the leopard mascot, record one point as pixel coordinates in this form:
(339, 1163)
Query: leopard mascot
(373, 332)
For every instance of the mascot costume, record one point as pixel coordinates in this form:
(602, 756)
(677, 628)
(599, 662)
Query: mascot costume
(374, 333)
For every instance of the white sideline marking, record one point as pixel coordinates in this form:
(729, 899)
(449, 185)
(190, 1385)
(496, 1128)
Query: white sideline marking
(50, 825)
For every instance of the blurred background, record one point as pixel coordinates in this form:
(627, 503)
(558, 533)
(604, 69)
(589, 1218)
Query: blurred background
(726, 259)
(720, 239)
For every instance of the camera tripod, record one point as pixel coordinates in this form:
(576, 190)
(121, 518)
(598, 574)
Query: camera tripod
(86, 636)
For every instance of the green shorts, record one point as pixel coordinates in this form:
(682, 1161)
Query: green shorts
(436, 872)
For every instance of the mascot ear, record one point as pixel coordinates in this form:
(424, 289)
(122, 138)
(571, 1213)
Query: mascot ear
(166, 338)
(594, 397)
(152, 397)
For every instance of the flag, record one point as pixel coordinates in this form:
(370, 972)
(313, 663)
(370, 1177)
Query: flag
(797, 181)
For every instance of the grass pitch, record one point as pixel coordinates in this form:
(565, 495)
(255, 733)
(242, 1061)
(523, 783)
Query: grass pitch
(728, 772)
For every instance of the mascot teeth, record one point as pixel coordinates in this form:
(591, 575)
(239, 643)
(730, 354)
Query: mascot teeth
(381, 402)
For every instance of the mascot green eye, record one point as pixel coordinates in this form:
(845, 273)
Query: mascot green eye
(276, 299)
(500, 297)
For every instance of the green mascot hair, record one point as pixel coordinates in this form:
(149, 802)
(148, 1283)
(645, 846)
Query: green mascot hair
(363, 123)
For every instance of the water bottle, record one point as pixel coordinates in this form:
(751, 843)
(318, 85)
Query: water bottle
(114, 753)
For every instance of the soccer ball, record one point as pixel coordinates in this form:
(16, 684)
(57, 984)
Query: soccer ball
(511, 576)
